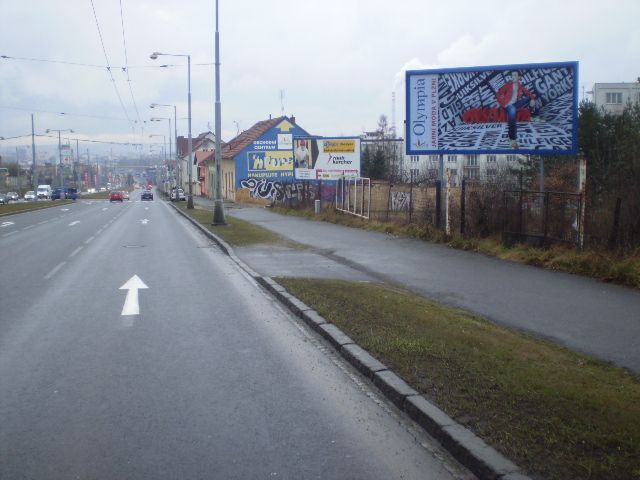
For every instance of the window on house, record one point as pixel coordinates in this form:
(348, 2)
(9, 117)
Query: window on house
(452, 158)
(614, 97)
(472, 160)
(434, 158)
(492, 172)
(491, 158)
(415, 172)
(471, 173)
(512, 158)
(415, 158)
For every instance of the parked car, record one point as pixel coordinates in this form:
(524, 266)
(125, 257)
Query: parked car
(3, 199)
(180, 195)
(13, 196)
(56, 194)
(125, 195)
(115, 196)
(30, 196)
(146, 195)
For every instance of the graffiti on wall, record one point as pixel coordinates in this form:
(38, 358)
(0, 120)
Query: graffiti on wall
(287, 192)
(400, 201)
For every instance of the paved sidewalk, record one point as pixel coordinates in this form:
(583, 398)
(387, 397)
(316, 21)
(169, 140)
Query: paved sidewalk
(596, 318)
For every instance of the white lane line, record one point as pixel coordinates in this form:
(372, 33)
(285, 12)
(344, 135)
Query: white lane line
(89, 240)
(99, 231)
(6, 224)
(10, 233)
(28, 227)
(76, 251)
(74, 223)
(43, 222)
(105, 209)
(54, 271)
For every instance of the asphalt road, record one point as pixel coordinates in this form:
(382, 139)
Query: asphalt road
(210, 379)
(599, 319)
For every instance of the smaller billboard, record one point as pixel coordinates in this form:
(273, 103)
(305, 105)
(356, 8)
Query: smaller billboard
(326, 158)
(525, 108)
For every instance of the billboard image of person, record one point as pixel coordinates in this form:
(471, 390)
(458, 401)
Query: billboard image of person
(322, 158)
(528, 108)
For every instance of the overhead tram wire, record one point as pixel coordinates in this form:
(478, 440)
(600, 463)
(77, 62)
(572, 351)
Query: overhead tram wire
(113, 80)
(84, 140)
(90, 65)
(66, 114)
(126, 67)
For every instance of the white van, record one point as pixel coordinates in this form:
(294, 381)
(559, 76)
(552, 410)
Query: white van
(44, 191)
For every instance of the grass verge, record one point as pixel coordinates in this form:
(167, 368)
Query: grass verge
(10, 208)
(605, 266)
(556, 413)
(237, 232)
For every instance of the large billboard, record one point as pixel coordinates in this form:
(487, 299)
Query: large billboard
(528, 108)
(326, 158)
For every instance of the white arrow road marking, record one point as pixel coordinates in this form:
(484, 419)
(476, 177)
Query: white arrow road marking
(131, 306)
(5, 224)
(74, 223)
(145, 221)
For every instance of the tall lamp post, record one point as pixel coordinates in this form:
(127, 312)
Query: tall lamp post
(159, 119)
(59, 150)
(175, 128)
(154, 56)
(218, 206)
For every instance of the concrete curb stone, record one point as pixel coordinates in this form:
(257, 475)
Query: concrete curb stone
(313, 319)
(393, 387)
(334, 335)
(364, 362)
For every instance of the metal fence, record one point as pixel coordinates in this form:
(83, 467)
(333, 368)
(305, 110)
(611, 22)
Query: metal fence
(481, 209)
(542, 218)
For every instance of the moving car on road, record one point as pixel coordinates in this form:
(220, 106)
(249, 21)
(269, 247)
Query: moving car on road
(71, 193)
(13, 196)
(56, 194)
(30, 196)
(125, 195)
(115, 196)
(44, 191)
(3, 199)
(146, 195)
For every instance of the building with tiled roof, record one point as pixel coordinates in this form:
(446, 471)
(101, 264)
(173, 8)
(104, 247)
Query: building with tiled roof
(256, 160)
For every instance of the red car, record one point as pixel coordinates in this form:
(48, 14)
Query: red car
(116, 196)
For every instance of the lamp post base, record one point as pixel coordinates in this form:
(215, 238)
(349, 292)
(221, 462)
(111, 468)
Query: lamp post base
(190, 202)
(218, 213)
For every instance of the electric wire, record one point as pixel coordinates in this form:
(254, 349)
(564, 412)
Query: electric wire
(91, 65)
(126, 67)
(113, 80)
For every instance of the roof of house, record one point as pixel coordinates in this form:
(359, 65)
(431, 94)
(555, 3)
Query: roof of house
(203, 156)
(196, 142)
(234, 146)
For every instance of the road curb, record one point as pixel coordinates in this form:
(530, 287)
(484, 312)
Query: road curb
(466, 447)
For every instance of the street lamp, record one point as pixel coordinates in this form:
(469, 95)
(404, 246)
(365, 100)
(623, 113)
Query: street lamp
(159, 119)
(59, 149)
(175, 127)
(218, 206)
(154, 56)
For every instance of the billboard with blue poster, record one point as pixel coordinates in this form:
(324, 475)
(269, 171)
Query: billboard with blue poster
(269, 156)
(523, 108)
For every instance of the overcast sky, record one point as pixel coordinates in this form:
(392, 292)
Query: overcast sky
(336, 62)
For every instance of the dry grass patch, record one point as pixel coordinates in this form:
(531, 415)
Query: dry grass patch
(558, 414)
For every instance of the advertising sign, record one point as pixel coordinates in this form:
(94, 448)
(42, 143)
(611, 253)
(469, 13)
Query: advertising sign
(527, 108)
(270, 163)
(326, 158)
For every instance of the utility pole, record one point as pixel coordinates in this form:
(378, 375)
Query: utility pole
(218, 206)
(34, 179)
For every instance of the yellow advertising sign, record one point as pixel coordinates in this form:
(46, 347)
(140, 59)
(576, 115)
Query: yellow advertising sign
(339, 146)
(271, 161)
